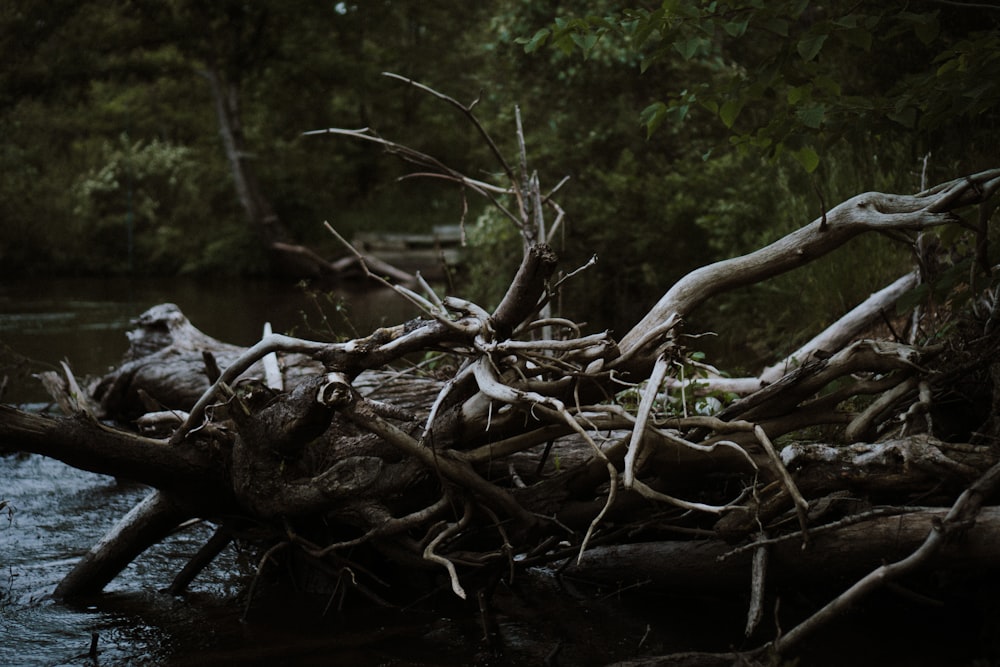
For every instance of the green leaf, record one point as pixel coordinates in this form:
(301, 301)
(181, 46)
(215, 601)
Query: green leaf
(925, 26)
(949, 66)
(799, 93)
(812, 116)
(564, 43)
(688, 10)
(827, 85)
(928, 32)
(849, 21)
(537, 41)
(648, 25)
(678, 112)
(736, 28)
(688, 47)
(809, 47)
(729, 111)
(652, 116)
(585, 41)
(863, 103)
(808, 158)
(907, 117)
(858, 38)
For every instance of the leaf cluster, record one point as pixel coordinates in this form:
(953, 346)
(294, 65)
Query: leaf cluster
(798, 76)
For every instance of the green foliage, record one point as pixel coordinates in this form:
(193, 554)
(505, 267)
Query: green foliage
(689, 397)
(82, 74)
(492, 257)
(156, 197)
(759, 324)
(797, 76)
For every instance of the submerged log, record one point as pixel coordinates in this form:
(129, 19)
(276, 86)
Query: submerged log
(145, 525)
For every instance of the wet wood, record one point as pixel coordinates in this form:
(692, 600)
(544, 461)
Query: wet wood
(145, 525)
(843, 554)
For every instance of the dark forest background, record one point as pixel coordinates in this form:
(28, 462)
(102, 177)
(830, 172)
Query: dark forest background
(691, 131)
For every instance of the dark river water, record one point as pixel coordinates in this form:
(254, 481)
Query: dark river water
(51, 513)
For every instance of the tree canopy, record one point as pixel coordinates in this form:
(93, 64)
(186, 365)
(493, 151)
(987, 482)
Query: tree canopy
(703, 128)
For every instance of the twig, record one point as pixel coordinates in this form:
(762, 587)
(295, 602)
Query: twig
(642, 417)
(962, 513)
(257, 573)
(389, 525)
(801, 506)
(590, 262)
(430, 555)
(467, 111)
(423, 304)
(612, 494)
(647, 492)
(268, 344)
(758, 580)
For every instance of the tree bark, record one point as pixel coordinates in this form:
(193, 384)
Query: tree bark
(871, 211)
(830, 556)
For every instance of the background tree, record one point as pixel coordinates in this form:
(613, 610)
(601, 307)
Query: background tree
(822, 99)
(705, 129)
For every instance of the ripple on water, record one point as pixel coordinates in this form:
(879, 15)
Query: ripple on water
(54, 514)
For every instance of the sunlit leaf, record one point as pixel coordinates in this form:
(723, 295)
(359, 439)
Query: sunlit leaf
(808, 158)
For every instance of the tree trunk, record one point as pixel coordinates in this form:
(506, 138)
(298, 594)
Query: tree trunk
(288, 258)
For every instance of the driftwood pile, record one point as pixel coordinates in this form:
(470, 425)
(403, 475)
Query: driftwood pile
(534, 443)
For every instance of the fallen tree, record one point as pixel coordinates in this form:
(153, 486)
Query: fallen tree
(544, 444)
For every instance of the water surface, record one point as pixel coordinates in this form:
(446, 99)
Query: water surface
(84, 320)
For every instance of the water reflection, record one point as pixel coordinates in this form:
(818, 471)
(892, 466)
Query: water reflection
(54, 514)
(84, 320)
